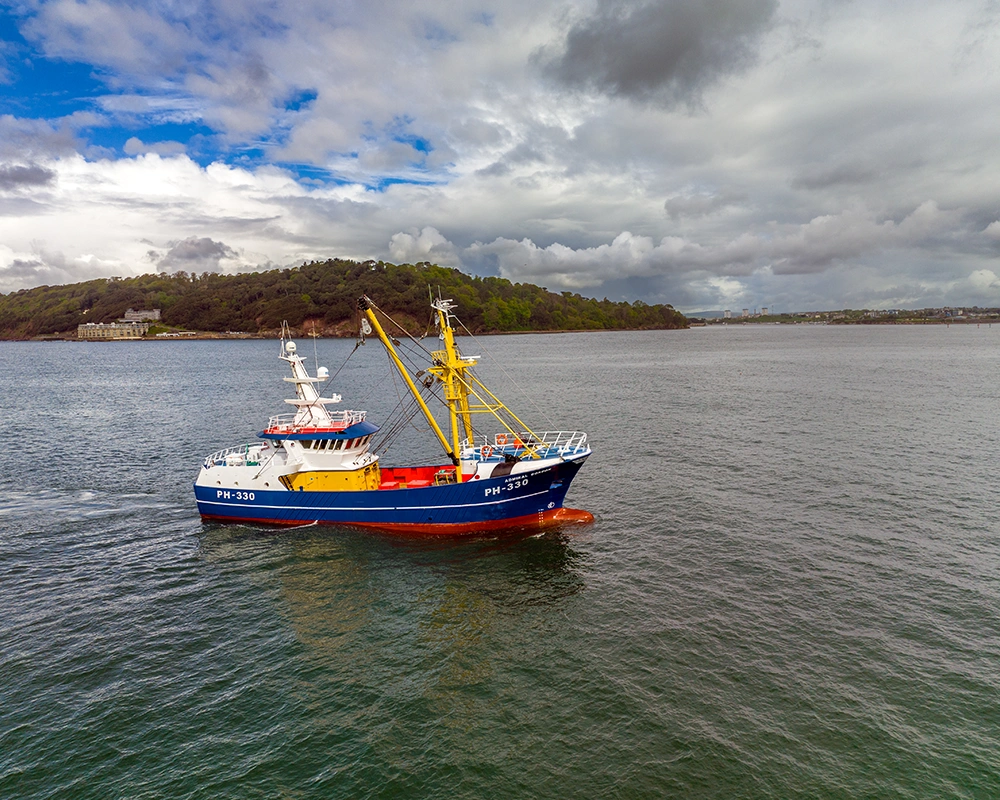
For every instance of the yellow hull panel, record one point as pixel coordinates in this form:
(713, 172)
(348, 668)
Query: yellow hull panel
(358, 480)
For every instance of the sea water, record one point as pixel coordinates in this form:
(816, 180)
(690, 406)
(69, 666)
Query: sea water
(792, 587)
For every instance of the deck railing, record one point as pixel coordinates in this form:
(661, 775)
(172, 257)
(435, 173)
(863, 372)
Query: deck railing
(288, 423)
(249, 455)
(549, 444)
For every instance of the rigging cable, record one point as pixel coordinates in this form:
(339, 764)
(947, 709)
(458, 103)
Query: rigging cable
(413, 367)
(524, 394)
(400, 327)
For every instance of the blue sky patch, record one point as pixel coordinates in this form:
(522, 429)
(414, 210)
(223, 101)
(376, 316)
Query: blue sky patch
(381, 184)
(37, 87)
(418, 143)
(301, 99)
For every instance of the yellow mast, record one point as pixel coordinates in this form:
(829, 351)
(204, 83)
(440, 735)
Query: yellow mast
(452, 369)
(365, 305)
(449, 366)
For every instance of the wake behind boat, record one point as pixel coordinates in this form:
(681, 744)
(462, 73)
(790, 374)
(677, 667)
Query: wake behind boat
(316, 464)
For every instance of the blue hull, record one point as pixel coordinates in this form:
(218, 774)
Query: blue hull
(528, 499)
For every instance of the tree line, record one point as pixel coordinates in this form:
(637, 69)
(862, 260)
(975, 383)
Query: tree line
(320, 296)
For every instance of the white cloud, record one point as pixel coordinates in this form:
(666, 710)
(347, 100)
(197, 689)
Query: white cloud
(135, 146)
(699, 204)
(985, 281)
(563, 267)
(425, 245)
(836, 153)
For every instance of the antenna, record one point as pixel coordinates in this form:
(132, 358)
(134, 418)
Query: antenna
(284, 335)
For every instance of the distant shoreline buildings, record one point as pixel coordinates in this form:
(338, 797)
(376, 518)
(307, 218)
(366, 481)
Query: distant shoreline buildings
(946, 314)
(134, 325)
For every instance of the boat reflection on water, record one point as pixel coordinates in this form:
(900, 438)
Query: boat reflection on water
(400, 655)
(382, 600)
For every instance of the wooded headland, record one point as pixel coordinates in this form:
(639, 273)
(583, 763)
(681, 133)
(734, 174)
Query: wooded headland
(320, 297)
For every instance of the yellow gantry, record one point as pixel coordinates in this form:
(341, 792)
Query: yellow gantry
(452, 369)
(449, 366)
(365, 305)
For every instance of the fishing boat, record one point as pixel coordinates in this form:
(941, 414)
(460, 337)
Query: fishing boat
(317, 464)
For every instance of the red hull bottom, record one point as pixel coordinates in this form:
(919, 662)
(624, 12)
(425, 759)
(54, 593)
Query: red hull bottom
(543, 520)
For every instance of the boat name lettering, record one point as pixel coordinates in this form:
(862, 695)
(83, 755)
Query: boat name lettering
(510, 486)
(225, 494)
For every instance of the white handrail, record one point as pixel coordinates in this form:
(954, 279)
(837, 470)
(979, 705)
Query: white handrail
(543, 445)
(237, 456)
(337, 419)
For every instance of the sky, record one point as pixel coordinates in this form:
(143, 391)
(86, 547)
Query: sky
(712, 154)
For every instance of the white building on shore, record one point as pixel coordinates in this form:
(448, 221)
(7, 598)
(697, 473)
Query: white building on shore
(133, 326)
(112, 330)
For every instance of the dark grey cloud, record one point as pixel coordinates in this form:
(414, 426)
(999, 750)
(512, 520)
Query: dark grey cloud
(50, 267)
(666, 50)
(196, 254)
(19, 177)
(28, 139)
(824, 177)
(21, 268)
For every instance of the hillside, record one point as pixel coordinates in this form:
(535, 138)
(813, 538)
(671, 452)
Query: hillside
(320, 295)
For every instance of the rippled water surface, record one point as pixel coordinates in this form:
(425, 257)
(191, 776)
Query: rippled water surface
(791, 588)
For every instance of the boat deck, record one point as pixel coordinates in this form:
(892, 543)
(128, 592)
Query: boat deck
(416, 477)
